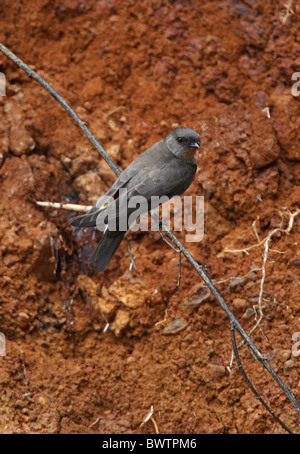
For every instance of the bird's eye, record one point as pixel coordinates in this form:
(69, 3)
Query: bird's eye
(179, 139)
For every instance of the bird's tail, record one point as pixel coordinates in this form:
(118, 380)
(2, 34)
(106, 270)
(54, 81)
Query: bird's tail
(88, 219)
(106, 249)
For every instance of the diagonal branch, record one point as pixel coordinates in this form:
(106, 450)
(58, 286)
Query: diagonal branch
(240, 366)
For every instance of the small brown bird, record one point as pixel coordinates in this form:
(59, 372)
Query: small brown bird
(167, 168)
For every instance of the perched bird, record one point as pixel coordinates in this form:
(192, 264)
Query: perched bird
(167, 168)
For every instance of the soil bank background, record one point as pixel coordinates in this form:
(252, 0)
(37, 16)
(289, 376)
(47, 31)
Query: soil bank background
(133, 70)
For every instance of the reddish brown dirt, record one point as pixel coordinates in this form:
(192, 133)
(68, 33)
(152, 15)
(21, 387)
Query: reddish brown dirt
(132, 70)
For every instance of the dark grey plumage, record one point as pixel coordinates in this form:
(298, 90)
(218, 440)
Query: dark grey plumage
(167, 168)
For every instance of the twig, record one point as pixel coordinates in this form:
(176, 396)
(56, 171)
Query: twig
(265, 258)
(131, 257)
(149, 417)
(65, 206)
(255, 230)
(236, 277)
(234, 322)
(288, 11)
(155, 425)
(95, 422)
(267, 238)
(240, 366)
(26, 378)
(174, 249)
(237, 251)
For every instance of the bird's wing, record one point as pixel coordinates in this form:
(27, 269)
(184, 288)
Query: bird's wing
(169, 179)
(89, 219)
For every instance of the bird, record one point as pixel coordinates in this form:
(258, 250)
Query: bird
(167, 168)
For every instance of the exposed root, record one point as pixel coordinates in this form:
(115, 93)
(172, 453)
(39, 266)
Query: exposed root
(266, 242)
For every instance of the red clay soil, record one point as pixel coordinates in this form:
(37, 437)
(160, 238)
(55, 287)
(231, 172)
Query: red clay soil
(133, 70)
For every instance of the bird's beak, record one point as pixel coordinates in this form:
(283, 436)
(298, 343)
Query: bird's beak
(194, 145)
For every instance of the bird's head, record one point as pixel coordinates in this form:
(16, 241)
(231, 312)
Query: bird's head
(183, 142)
